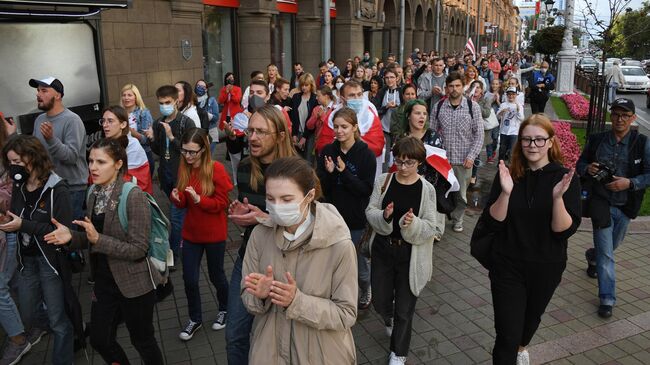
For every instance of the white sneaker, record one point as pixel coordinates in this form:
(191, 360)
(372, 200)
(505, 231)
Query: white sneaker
(457, 227)
(388, 322)
(396, 360)
(523, 358)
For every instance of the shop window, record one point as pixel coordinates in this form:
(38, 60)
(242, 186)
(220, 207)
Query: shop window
(219, 51)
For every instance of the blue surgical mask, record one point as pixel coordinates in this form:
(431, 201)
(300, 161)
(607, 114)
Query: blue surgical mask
(200, 90)
(355, 104)
(167, 109)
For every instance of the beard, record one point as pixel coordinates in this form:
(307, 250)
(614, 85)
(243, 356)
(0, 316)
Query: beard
(46, 107)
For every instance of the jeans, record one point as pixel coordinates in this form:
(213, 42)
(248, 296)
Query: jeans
(390, 282)
(463, 175)
(152, 161)
(77, 200)
(521, 292)
(388, 155)
(363, 263)
(192, 255)
(505, 148)
(238, 322)
(36, 281)
(606, 240)
(491, 147)
(9, 316)
(177, 219)
(106, 314)
(611, 91)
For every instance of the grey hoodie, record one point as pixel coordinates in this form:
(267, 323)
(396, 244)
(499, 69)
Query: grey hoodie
(67, 147)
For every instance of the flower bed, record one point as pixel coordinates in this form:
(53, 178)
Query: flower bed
(568, 143)
(578, 106)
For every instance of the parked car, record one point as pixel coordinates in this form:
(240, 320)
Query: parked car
(632, 63)
(612, 59)
(587, 64)
(599, 67)
(635, 79)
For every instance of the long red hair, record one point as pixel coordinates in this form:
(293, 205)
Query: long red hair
(519, 164)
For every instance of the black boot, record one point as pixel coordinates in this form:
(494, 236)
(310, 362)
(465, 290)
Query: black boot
(590, 255)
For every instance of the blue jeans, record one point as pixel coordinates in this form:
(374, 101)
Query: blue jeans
(606, 240)
(77, 200)
(177, 219)
(239, 321)
(9, 316)
(611, 91)
(491, 147)
(192, 255)
(36, 281)
(363, 263)
(505, 148)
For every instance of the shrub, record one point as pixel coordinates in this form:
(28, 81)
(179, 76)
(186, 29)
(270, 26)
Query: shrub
(578, 106)
(568, 143)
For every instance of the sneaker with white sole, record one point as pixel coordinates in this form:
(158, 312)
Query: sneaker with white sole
(365, 298)
(523, 358)
(35, 334)
(220, 322)
(388, 322)
(13, 352)
(189, 331)
(396, 360)
(457, 227)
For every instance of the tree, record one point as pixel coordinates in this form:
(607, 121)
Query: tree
(548, 40)
(631, 33)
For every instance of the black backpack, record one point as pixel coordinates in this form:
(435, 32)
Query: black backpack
(469, 103)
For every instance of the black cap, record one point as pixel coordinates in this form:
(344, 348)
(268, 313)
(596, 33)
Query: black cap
(48, 82)
(624, 103)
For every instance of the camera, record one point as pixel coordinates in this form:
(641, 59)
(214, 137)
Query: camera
(605, 172)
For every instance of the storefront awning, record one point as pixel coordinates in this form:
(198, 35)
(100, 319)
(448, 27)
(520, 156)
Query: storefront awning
(283, 6)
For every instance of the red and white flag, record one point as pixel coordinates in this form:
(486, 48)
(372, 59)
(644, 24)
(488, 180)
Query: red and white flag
(469, 46)
(437, 158)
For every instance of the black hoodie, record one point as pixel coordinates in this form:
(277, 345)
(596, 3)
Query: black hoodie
(349, 191)
(526, 232)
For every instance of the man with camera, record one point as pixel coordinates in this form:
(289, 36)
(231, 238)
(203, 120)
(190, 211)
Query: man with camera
(615, 170)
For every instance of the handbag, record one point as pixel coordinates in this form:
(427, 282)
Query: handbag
(491, 121)
(368, 233)
(480, 245)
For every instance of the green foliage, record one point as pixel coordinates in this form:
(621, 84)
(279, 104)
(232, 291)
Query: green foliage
(631, 33)
(560, 108)
(548, 40)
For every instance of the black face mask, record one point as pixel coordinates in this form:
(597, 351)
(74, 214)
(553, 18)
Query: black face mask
(18, 173)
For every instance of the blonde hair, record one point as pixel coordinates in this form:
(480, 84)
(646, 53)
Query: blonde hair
(307, 79)
(283, 146)
(138, 98)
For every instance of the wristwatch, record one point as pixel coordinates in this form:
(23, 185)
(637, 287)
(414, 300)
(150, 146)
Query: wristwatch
(631, 185)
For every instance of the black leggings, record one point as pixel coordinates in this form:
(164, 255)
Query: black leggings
(520, 293)
(538, 106)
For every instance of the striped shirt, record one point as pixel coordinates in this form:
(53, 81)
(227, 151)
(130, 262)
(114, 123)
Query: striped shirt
(462, 135)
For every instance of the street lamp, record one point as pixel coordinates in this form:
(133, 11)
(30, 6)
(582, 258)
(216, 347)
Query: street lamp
(549, 5)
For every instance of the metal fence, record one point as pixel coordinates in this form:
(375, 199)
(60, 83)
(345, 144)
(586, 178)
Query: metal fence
(596, 87)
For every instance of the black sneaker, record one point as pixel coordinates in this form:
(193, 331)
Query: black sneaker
(605, 311)
(189, 331)
(220, 322)
(590, 255)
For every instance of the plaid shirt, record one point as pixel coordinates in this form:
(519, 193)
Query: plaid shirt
(462, 136)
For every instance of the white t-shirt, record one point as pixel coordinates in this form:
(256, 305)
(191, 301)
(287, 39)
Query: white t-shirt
(511, 118)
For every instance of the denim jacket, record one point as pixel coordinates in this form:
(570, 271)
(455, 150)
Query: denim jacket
(144, 121)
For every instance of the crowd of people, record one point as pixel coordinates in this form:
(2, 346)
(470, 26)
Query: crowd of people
(344, 181)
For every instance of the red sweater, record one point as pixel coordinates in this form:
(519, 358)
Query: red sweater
(206, 222)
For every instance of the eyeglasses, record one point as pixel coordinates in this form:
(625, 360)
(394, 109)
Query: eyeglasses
(190, 153)
(260, 132)
(538, 141)
(407, 163)
(623, 117)
(104, 121)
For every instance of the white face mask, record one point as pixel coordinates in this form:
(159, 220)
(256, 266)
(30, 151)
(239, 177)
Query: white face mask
(339, 85)
(286, 215)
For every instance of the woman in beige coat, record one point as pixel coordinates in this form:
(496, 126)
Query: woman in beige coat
(300, 274)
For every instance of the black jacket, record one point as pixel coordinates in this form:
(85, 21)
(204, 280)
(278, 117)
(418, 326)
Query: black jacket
(349, 191)
(159, 144)
(54, 202)
(296, 99)
(526, 232)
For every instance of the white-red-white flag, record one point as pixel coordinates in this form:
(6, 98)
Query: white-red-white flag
(469, 46)
(437, 158)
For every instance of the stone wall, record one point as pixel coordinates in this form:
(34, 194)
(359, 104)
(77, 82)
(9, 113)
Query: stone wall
(142, 45)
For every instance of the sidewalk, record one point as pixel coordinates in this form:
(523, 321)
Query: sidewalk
(453, 323)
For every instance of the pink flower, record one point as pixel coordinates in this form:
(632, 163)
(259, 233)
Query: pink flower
(578, 106)
(568, 143)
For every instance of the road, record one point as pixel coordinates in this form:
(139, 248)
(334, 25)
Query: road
(643, 113)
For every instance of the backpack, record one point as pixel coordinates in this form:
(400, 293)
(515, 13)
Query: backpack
(469, 103)
(159, 237)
